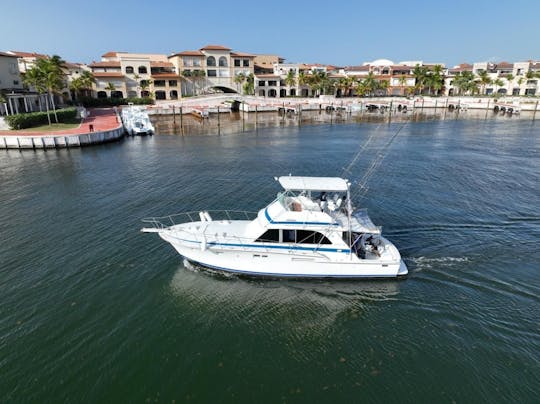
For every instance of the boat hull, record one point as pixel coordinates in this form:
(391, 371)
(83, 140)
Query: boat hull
(286, 263)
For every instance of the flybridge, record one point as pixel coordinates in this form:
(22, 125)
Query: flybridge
(330, 184)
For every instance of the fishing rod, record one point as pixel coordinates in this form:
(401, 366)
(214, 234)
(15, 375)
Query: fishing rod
(362, 184)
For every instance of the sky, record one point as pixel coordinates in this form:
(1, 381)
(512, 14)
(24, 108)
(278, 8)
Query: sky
(341, 33)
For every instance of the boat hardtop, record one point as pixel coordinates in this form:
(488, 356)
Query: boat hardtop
(309, 230)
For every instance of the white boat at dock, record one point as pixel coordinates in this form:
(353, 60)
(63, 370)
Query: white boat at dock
(310, 230)
(136, 121)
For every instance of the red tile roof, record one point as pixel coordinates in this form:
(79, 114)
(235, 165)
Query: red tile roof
(364, 68)
(268, 76)
(29, 55)
(188, 53)
(70, 65)
(107, 74)
(242, 54)
(111, 54)
(216, 47)
(104, 64)
(7, 55)
(161, 64)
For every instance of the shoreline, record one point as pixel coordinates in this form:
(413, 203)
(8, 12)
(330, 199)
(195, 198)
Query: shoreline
(101, 125)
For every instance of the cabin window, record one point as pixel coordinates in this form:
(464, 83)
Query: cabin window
(289, 236)
(311, 237)
(270, 236)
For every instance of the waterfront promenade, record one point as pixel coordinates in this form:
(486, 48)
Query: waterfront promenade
(100, 126)
(211, 103)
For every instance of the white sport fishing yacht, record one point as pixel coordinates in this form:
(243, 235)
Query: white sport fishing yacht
(310, 230)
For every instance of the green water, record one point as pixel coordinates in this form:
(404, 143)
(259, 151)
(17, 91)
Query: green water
(92, 310)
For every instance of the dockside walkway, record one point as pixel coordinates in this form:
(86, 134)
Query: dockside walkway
(100, 126)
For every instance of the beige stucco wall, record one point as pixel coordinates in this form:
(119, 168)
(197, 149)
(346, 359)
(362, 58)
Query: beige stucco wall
(9, 73)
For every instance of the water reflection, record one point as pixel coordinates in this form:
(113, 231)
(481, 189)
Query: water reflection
(237, 122)
(312, 306)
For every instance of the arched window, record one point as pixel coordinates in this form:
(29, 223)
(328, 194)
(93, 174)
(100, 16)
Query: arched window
(143, 70)
(129, 69)
(173, 94)
(210, 61)
(102, 94)
(223, 61)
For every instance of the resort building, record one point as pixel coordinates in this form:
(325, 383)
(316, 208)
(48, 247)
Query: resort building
(213, 68)
(264, 64)
(502, 78)
(128, 75)
(15, 97)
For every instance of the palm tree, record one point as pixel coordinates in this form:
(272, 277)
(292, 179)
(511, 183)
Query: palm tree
(239, 79)
(497, 83)
(83, 82)
(290, 79)
(436, 79)
(111, 87)
(402, 82)
(198, 76)
(465, 82)
(520, 82)
(249, 85)
(34, 77)
(370, 84)
(420, 74)
(484, 80)
(361, 89)
(382, 86)
(47, 75)
(145, 84)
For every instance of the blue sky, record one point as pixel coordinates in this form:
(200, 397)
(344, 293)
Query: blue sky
(332, 32)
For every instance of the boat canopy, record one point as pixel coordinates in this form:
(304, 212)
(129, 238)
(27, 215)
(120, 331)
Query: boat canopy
(330, 184)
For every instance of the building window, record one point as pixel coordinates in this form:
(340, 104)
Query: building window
(15, 82)
(144, 83)
(143, 70)
(272, 83)
(262, 83)
(246, 62)
(212, 73)
(129, 70)
(159, 83)
(173, 83)
(236, 62)
(160, 95)
(210, 61)
(223, 61)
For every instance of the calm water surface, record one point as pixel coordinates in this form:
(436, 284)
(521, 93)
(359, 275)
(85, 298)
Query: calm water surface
(93, 310)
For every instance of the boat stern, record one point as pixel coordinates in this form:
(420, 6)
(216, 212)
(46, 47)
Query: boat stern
(402, 271)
